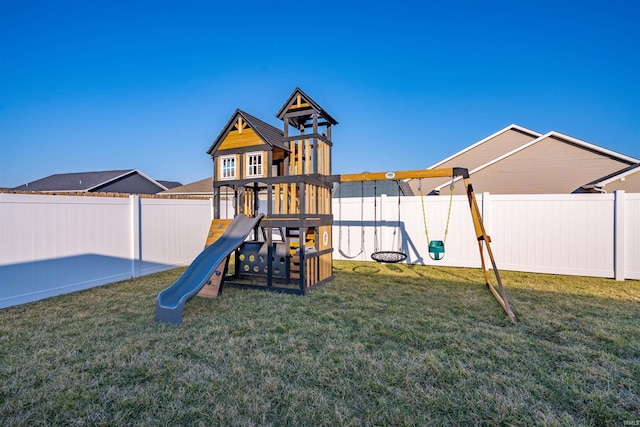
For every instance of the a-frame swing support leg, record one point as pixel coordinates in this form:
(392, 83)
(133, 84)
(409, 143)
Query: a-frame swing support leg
(481, 234)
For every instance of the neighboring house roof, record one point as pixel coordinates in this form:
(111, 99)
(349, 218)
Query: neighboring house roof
(502, 141)
(169, 184)
(552, 163)
(120, 181)
(203, 187)
(269, 134)
(371, 188)
(301, 100)
(625, 179)
(483, 151)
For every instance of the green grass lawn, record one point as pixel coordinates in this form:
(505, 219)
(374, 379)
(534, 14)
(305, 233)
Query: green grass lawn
(379, 345)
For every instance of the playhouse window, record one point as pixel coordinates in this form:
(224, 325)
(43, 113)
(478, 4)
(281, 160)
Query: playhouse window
(254, 164)
(228, 169)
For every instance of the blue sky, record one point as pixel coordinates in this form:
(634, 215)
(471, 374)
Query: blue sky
(104, 85)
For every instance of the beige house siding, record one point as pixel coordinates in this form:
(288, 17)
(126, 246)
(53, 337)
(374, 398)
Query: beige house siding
(548, 166)
(631, 184)
(628, 182)
(477, 155)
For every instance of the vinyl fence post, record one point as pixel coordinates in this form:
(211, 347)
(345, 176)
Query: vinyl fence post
(136, 235)
(618, 235)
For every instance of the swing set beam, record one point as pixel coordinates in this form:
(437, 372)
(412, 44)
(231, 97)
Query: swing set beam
(481, 235)
(408, 174)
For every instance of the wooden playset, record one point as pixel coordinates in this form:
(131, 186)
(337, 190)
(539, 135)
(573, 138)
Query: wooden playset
(286, 175)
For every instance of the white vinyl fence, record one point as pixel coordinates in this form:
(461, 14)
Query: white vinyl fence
(51, 245)
(578, 234)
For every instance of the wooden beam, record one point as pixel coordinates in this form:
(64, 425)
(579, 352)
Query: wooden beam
(307, 135)
(408, 174)
(315, 145)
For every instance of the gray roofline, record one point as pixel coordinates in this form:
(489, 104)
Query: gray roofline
(607, 179)
(130, 172)
(512, 126)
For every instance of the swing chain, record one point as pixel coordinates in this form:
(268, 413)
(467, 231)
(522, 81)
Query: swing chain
(375, 216)
(396, 231)
(386, 256)
(345, 255)
(424, 213)
(451, 188)
(424, 220)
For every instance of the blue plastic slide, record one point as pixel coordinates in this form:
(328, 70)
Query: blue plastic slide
(170, 302)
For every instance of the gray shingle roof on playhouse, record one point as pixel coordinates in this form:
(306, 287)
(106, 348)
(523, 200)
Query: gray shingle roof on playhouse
(292, 98)
(270, 134)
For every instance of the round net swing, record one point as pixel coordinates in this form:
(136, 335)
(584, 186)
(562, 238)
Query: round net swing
(386, 256)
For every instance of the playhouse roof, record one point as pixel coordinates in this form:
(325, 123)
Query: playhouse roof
(270, 134)
(305, 103)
